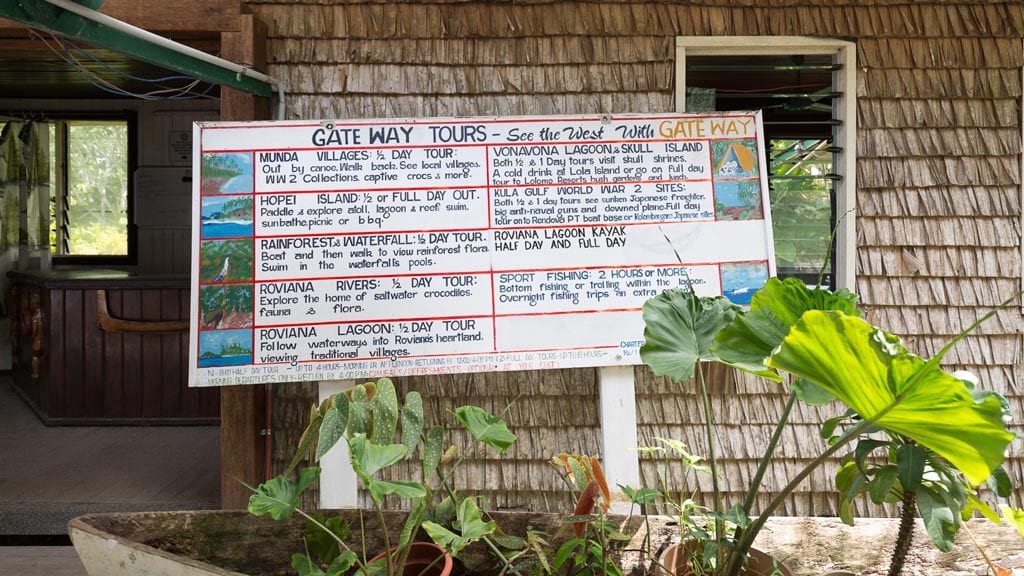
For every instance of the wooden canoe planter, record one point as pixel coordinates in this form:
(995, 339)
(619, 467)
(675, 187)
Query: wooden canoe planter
(234, 543)
(105, 347)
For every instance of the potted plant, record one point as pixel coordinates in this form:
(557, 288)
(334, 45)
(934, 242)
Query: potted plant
(379, 433)
(815, 341)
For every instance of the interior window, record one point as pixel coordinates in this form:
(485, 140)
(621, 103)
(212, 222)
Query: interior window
(90, 203)
(797, 96)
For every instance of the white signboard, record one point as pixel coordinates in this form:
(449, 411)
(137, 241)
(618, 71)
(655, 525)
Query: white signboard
(332, 250)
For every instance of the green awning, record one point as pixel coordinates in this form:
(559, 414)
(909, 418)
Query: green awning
(45, 16)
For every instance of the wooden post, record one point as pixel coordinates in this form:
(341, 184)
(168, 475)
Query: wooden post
(339, 487)
(241, 407)
(618, 432)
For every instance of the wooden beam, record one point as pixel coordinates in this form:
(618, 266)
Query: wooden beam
(163, 16)
(242, 407)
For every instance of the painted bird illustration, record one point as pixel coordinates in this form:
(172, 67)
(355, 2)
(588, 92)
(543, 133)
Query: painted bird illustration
(223, 271)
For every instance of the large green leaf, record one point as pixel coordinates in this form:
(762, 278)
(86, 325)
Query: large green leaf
(385, 412)
(680, 327)
(412, 420)
(359, 411)
(752, 337)
(432, 444)
(402, 488)
(788, 299)
(308, 438)
(874, 375)
(910, 461)
(485, 427)
(279, 497)
(368, 458)
(333, 425)
(939, 518)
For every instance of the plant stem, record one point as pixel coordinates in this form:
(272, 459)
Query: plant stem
(712, 457)
(905, 534)
(762, 466)
(744, 540)
(991, 565)
(387, 540)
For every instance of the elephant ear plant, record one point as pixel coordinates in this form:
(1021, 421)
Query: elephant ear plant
(815, 340)
(379, 433)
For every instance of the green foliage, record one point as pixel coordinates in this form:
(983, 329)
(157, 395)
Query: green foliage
(221, 166)
(680, 328)
(279, 497)
(470, 524)
(367, 418)
(432, 444)
(641, 496)
(412, 420)
(801, 200)
(238, 206)
(871, 372)
(752, 337)
(485, 427)
(237, 298)
(1014, 517)
(322, 535)
(589, 554)
(955, 436)
(332, 425)
(385, 412)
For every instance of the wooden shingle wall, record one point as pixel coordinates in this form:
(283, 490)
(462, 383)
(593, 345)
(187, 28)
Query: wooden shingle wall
(938, 199)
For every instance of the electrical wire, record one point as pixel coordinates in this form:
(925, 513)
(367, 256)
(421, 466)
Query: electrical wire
(164, 93)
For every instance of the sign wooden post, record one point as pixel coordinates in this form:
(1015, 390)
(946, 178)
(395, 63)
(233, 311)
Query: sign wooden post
(618, 432)
(241, 407)
(339, 487)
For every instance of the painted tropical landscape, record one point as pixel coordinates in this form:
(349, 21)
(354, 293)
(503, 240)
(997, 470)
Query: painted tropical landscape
(225, 307)
(225, 348)
(226, 216)
(227, 173)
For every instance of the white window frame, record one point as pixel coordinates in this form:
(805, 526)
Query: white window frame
(845, 80)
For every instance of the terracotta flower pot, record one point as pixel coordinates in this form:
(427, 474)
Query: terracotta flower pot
(675, 561)
(426, 559)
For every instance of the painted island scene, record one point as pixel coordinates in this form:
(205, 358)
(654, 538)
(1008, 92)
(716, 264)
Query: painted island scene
(227, 173)
(225, 348)
(740, 280)
(737, 184)
(225, 261)
(225, 307)
(226, 216)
